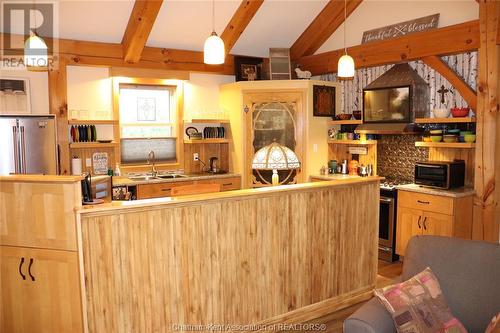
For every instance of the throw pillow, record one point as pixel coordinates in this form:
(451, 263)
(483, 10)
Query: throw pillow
(418, 306)
(494, 326)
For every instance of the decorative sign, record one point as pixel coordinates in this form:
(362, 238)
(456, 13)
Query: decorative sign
(358, 150)
(401, 29)
(100, 163)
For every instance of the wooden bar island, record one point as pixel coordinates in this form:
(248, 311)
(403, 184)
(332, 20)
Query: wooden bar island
(287, 254)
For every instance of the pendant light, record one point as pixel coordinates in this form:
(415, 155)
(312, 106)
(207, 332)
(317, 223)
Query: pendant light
(345, 66)
(35, 50)
(213, 51)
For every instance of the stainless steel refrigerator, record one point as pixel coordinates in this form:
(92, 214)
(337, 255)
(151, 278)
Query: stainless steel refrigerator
(28, 144)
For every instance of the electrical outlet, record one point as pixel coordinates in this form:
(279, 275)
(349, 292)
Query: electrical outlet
(88, 162)
(196, 157)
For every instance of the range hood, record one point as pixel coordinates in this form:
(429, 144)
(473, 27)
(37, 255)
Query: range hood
(400, 75)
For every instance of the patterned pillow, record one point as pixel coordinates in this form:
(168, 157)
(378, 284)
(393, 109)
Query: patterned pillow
(418, 306)
(494, 326)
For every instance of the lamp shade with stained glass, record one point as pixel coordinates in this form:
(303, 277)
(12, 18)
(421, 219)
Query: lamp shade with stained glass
(275, 157)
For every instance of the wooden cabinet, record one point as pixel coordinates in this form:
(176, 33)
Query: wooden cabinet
(425, 214)
(159, 190)
(54, 228)
(38, 290)
(261, 112)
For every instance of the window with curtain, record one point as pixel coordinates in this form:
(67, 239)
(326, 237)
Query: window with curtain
(148, 121)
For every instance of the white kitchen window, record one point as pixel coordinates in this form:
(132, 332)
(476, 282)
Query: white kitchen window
(148, 121)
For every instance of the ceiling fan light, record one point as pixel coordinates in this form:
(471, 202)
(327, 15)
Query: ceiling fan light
(35, 53)
(213, 50)
(345, 67)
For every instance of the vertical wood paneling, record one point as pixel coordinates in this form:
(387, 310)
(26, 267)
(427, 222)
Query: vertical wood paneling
(239, 260)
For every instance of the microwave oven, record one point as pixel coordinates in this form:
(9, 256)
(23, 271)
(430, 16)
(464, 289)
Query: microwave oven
(440, 174)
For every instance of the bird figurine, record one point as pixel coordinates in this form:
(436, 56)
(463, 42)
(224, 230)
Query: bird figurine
(302, 74)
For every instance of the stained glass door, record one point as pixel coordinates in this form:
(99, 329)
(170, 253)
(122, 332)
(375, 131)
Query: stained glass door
(274, 119)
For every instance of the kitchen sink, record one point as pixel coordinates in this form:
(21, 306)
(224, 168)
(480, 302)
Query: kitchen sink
(171, 175)
(141, 178)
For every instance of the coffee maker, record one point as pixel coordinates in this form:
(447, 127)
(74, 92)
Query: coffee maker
(86, 189)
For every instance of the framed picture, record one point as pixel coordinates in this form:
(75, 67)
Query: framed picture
(248, 68)
(146, 109)
(324, 101)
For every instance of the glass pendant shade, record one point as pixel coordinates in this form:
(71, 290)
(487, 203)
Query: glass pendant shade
(35, 54)
(213, 51)
(345, 67)
(275, 157)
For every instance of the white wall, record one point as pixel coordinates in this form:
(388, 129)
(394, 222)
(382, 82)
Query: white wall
(89, 93)
(372, 14)
(39, 88)
(201, 95)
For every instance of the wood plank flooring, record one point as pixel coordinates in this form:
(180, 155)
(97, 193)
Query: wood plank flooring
(388, 273)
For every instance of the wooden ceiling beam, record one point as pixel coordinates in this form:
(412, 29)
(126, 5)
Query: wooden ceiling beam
(241, 18)
(456, 81)
(77, 52)
(452, 39)
(322, 27)
(139, 27)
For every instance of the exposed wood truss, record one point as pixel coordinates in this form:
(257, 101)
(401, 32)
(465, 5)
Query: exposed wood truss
(323, 26)
(448, 40)
(456, 81)
(239, 22)
(139, 26)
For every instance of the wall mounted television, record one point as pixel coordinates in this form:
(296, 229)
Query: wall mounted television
(387, 105)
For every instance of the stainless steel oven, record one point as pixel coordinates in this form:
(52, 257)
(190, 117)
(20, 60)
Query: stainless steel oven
(387, 225)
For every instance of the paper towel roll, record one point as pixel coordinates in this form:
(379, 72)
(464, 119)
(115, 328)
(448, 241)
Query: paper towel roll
(76, 166)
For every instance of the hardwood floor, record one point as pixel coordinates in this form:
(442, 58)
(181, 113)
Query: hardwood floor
(388, 273)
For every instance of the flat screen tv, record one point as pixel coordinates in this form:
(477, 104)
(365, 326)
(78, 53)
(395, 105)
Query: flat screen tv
(387, 105)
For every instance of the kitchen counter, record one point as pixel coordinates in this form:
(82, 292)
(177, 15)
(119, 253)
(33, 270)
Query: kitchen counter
(454, 193)
(336, 176)
(125, 181)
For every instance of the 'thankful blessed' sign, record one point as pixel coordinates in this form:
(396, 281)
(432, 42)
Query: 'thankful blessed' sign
(401, 29)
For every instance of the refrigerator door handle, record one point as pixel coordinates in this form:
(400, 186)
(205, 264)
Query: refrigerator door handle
(16, 149)
(23, 151)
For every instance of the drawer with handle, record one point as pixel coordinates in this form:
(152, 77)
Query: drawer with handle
(426, 202)
(226, 184)
(157, 190)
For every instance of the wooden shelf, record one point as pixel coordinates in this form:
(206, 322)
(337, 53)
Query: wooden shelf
(445, 120)
(92, 122)
(206, 141)
(208, 121)
(464, 145)
(76, 145)
(353, 142)
(346, 122)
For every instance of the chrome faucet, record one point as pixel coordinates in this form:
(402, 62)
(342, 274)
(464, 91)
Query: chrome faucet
(151, 160)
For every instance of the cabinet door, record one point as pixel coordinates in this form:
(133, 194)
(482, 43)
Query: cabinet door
(409, 224)
(273, 117)
(437, 224)
(47, 299)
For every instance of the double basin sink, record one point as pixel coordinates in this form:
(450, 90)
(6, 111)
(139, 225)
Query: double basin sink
(145, 177)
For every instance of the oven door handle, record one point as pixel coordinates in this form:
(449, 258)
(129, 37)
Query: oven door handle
(386, 200)
(429, 166)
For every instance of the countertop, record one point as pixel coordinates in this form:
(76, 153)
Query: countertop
(258, 192)
(123, 180)
(336, 176)
(454, 193)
